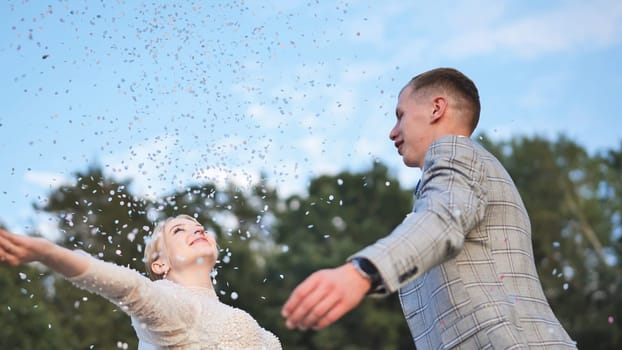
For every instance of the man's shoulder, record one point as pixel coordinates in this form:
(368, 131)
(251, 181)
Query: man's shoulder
(453, 145)
(462, 150)
(458, 144)
(451, 139)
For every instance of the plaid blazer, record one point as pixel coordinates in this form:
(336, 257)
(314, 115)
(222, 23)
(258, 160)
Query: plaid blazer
(463, 260)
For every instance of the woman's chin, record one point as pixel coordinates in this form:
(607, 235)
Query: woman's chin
(208, 258)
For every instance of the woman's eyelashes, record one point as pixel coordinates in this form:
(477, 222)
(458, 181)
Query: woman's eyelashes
(197, 231)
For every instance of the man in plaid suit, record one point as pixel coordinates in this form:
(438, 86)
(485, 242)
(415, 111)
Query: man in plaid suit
(462, 261)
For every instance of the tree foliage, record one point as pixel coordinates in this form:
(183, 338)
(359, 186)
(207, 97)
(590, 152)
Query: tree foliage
(270, 243)
(574, 202)
(340, 215)
(27, 318)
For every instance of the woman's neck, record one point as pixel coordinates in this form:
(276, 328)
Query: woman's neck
(192, 276)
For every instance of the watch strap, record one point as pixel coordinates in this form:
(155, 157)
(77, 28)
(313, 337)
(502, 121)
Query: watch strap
(367, 269)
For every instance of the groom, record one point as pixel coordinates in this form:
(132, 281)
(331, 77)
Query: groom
(462, 261)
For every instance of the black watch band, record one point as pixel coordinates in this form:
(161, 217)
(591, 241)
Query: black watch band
(369, 271)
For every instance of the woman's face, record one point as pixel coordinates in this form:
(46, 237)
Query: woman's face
(187, 243)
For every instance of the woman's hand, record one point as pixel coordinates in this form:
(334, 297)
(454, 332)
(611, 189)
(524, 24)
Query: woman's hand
(17, 250)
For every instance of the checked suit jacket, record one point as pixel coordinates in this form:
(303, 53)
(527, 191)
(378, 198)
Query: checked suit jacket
(463, 261)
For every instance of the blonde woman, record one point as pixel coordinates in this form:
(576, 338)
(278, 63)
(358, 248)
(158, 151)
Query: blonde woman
(177, 309)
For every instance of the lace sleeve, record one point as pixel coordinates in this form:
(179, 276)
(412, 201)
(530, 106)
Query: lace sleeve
(133, 293)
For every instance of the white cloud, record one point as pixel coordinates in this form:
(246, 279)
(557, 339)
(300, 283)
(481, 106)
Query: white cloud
(372, 20)
(567, 27)
(312, 146)
(241, 177)
(408, 177)
(543, 89)
(321, 158)
(47, 226)
(146, 163)
(343, 106)
(365, 147)
(367, 30)
(45, 179)
(290, 177)
(162, 164)
(266, 117)
(359, 72)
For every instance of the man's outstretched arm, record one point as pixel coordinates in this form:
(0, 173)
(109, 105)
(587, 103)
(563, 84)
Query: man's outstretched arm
(324, 297)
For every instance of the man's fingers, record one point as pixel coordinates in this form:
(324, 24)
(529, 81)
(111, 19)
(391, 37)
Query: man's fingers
(324, 297)
(333, 314)
(309, 301)
(305, 306)
(319, 311)
(298, 295)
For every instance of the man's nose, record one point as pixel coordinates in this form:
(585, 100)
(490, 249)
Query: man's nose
(393, 133)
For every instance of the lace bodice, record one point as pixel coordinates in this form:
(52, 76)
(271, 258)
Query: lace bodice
(171, 316)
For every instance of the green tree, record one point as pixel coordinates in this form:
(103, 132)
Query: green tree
(573, 201)
(340, 215)
(100, 216)
(24, 307)
(269, 245)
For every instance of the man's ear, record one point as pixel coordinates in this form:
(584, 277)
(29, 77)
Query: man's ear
(439, 106)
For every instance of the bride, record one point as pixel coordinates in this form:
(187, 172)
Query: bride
(177, 309)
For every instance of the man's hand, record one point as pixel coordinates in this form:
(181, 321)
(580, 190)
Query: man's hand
(324, 297)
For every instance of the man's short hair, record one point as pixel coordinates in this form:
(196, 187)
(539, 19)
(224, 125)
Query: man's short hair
(454, 82)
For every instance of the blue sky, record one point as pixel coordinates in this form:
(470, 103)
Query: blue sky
(169, 95)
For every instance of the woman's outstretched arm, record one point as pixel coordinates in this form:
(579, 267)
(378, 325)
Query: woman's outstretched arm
(17, 250)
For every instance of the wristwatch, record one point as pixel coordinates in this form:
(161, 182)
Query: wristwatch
(370, 272)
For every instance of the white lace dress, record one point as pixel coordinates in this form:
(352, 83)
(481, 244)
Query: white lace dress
(166, 315)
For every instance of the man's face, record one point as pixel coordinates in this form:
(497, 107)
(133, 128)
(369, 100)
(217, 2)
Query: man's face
(412, 132)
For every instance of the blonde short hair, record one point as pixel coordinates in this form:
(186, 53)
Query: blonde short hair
(153, 248)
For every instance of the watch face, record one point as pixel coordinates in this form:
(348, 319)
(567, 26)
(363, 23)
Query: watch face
(369, 271)
(367, 266)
